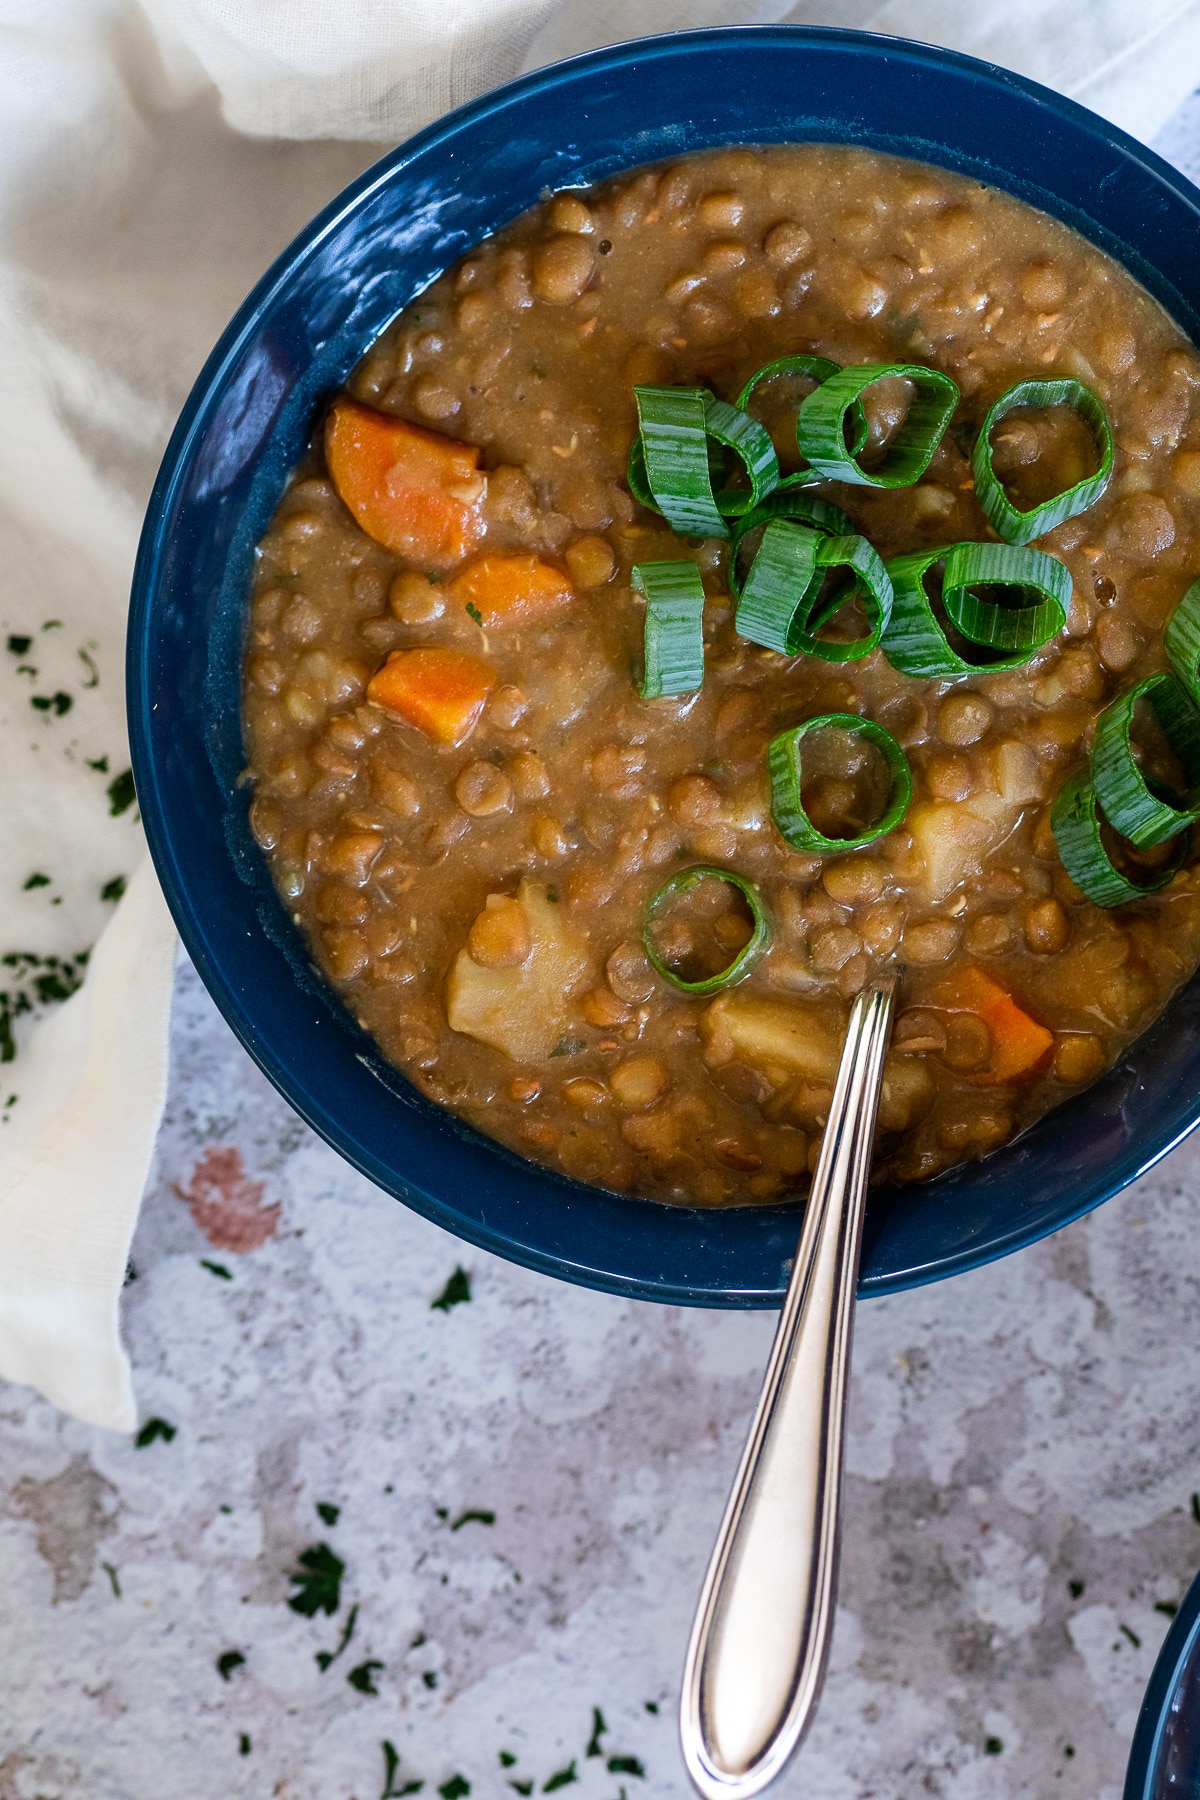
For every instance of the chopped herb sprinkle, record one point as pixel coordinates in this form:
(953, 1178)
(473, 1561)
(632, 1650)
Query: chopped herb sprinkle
(217, 1269)
(244, 1744)
(318, 1582)
(652, 1707)
(561, 1778)
(1167, 1607)
(625, 1765)
(329, 1513)
(121, 794)
(507, 1760)
(429, 1677)
(363, 1677)
(227, 1662)
(37, 880)
(325, 1657)
(455, 1789)
(112, 1576)
(1133, 1637)
(152, 1429)
(391, 1762)
(43, 980)
(521, 1787)
(474, 612)
(568, 1046)
(474, 1516)
(993, 1746)
(1075, 1589)
(58, 703)
(599, 1728)
(456, 1290)
(18, 645)
(113, 890)
(99, 763)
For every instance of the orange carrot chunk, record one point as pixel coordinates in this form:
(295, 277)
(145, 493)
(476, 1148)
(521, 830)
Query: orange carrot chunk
(439, 691)
(1020, 1046)
(419, 493)
(509, 590)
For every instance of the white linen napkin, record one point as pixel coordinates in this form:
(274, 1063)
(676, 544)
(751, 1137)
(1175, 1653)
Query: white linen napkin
(148, 173)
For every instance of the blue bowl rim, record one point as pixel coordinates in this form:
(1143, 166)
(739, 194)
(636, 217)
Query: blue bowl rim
(224, 356)
(1177, 1650)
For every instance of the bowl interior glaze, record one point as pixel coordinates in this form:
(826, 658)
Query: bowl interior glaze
(249, 418)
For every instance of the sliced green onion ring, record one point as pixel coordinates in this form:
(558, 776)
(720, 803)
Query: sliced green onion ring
(674, 631)
(1181, 641)
(777, 599)
(787, 807)
(1043, 579)
(670, 468)
(821, 424)
(1013, 525)
(747, 956)
(668, 464)
(797, 504)
(1075, 822)
(818, 369)
(1130, 804)
(915, 641)
(751, 444)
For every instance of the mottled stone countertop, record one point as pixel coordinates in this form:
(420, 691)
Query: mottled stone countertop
(516, 1494)
(526, 1487)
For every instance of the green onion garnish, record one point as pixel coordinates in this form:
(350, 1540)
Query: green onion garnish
(1181, 641)
(747, 956)
(1031, 574)
(668, 464)
(798, 504)
(1130, 804)
(915, 642)
(821, 425)
(751, 444)
(674, 631)
(670, 468)
(817, 369)
(787, 807)
(1075, 822)
(779, 602)
(1013, 525)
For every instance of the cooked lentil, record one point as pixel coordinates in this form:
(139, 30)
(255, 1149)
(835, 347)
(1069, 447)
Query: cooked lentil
(476, 888)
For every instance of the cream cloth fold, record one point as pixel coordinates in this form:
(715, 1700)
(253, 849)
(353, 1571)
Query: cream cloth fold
(149, 170)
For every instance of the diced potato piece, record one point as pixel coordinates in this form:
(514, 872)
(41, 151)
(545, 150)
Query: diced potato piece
(414, 490)
(1017, 773)
(509, 590)
(526, 1009)
(438, 690)
(1020, 1046)
(782, 1038)
(953, 837)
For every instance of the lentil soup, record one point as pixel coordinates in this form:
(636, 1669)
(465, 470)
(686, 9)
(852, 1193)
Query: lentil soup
(469, 808)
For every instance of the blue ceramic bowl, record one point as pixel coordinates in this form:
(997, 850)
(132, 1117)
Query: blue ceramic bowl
(1164, 1761)
(249, 416)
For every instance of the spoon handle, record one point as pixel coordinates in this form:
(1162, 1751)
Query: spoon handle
(759, 1644)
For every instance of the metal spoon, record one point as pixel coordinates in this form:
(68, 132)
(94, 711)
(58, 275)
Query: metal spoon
(760, 1641)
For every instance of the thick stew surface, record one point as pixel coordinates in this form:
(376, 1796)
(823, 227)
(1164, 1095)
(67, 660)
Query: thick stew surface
(468, 807)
